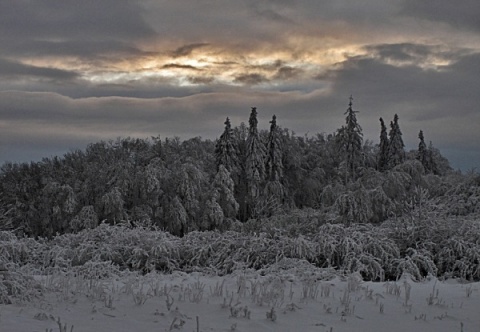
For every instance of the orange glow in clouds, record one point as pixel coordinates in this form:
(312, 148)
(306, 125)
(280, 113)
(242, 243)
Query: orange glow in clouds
(207, 64)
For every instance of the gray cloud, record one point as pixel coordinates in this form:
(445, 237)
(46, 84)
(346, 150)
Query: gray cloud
(79, 28)
(462, 14)
(287, 72)
(74, 48)
(250, 79)
(55, 120)
(272, 10)
(187, 49)
(415, 54)
(440, 102)
(201, 79)
(435, 93)
(74, 72)
(179, 66)
(12, 70)
(84, 20)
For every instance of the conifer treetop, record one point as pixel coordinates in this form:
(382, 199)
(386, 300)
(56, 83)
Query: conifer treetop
(252, 121)
(227, 124)
(396, 153)
(382, 164)
(273, 123)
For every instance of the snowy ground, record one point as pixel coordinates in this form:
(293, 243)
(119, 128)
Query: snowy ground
(243, 301)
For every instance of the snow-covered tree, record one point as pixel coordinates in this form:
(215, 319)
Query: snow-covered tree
(439, 164)
(272, 199)
(240, 134)
(255, 161)
(351, 139)
(189, 181)
(176, 217)
(226, 151)
(422, 152)
(112, 203)
(396, 152)
(273, 165)
(213, 216)
(274, 191)
(87, 218)
(224, 186)
(382, 164)
(58, 205)
(354, 206)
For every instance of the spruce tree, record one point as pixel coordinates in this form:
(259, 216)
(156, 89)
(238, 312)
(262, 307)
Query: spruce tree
(274, 191)
(423, 153)
(255, 162)
(382, 163)
(240, 135)
(352, 142)
(226, 152)
(396, 152)
(273, 165)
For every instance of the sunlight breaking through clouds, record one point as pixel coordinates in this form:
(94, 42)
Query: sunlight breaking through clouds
(204, 67)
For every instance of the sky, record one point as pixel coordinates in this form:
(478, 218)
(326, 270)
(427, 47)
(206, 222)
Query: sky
(77, 72)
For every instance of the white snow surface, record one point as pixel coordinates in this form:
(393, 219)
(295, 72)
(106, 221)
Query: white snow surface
(313, 300)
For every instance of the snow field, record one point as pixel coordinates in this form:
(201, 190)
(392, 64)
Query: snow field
(314, 300)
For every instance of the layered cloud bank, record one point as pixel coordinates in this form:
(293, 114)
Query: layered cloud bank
(76, 72)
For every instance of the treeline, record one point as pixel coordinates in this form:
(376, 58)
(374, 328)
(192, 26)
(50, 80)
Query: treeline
(197, 184)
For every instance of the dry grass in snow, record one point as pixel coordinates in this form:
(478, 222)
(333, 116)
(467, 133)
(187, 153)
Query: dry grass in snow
(307, 299)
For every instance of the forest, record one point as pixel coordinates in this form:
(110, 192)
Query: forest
(248, 198)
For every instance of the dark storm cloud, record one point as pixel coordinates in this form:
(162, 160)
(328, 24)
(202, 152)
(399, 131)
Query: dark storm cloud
(12, 70)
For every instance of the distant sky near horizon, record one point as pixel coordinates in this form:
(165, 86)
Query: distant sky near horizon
(76, 72)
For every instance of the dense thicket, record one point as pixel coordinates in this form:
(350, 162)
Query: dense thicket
(195, 184)
(442, 247)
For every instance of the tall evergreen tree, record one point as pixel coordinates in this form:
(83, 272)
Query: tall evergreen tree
(396, 152)
(423, 153)
(382, 160)
(274, 191)
(273, 165)
(226, 152)
(352, 138)
(240, 134)
(255, 161)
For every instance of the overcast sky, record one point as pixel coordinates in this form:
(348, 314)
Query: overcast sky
(76, 72)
